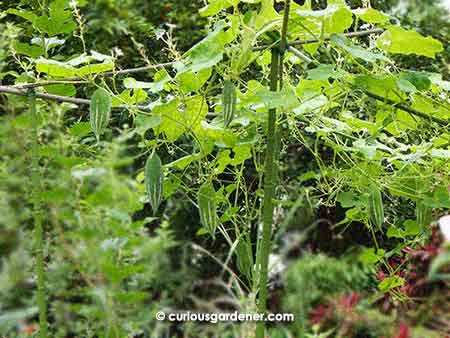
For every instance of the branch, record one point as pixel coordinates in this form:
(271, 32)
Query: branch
(76, 80)
(326, 38)
(299, 54)
(75, 100)
(407, 109)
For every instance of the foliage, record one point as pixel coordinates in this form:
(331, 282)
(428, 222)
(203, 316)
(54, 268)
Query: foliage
(163, 166)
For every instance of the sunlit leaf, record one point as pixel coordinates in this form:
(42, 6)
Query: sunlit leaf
(398, 40)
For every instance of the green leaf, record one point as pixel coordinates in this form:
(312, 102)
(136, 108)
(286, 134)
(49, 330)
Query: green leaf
(401, 41)
(394, 232)
(100, 110)
(161, 79)
(439, 199)
(207, 53)
(130, 97)
(32, 51)
(311, 104)
(371, 15)
(325, 72)
(27, 15)
(336, 18)
(369, 256)
(382, 85)
(390, 283)
(193, 81)
(154, 181)
(178, 117)
(59, 21)
(69, 68)
(215, 6)
(355, 50)
(62, 89)
(412, 228)
(267, 99)
(419, 80)
(347, 199)
(206, 200)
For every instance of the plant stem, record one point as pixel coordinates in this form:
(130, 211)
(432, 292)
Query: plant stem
(264, 249)
(37, 218)
(276, 82)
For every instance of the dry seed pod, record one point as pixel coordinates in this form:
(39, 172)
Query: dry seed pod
(100, 111)
(154, 181)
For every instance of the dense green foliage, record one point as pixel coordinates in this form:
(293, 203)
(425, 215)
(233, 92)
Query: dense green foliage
(128, 192)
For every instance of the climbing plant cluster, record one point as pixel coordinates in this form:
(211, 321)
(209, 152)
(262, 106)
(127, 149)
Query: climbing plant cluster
(127, 163)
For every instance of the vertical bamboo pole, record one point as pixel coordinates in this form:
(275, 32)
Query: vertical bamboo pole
(269, 173)
(41, 297)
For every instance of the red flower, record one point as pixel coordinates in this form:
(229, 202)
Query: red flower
(403, 331)
(380, 275)
(30, 329)
(349, 302)
(318, 314)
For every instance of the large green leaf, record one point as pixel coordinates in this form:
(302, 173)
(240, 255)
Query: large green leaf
(59, 20)
(181, 116)
(401, 41)
(208, 52)
(355, 50)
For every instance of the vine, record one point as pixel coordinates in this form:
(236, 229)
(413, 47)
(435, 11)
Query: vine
(200, 122)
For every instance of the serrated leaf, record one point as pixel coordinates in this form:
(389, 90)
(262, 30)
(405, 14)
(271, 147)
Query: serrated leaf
(154, 181)
(398, 40)
(100, 110)
(206, 200)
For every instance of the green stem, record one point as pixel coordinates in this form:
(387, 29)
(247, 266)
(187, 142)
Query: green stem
(269, 178)
(276, 82)
(37, 218)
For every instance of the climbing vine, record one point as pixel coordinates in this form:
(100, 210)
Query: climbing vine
(211, 127)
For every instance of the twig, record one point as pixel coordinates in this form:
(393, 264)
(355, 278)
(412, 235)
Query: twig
(299, 54)
(407, 109)
(47, 83)
(328, 37)
(84, 80)
(75, 100)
